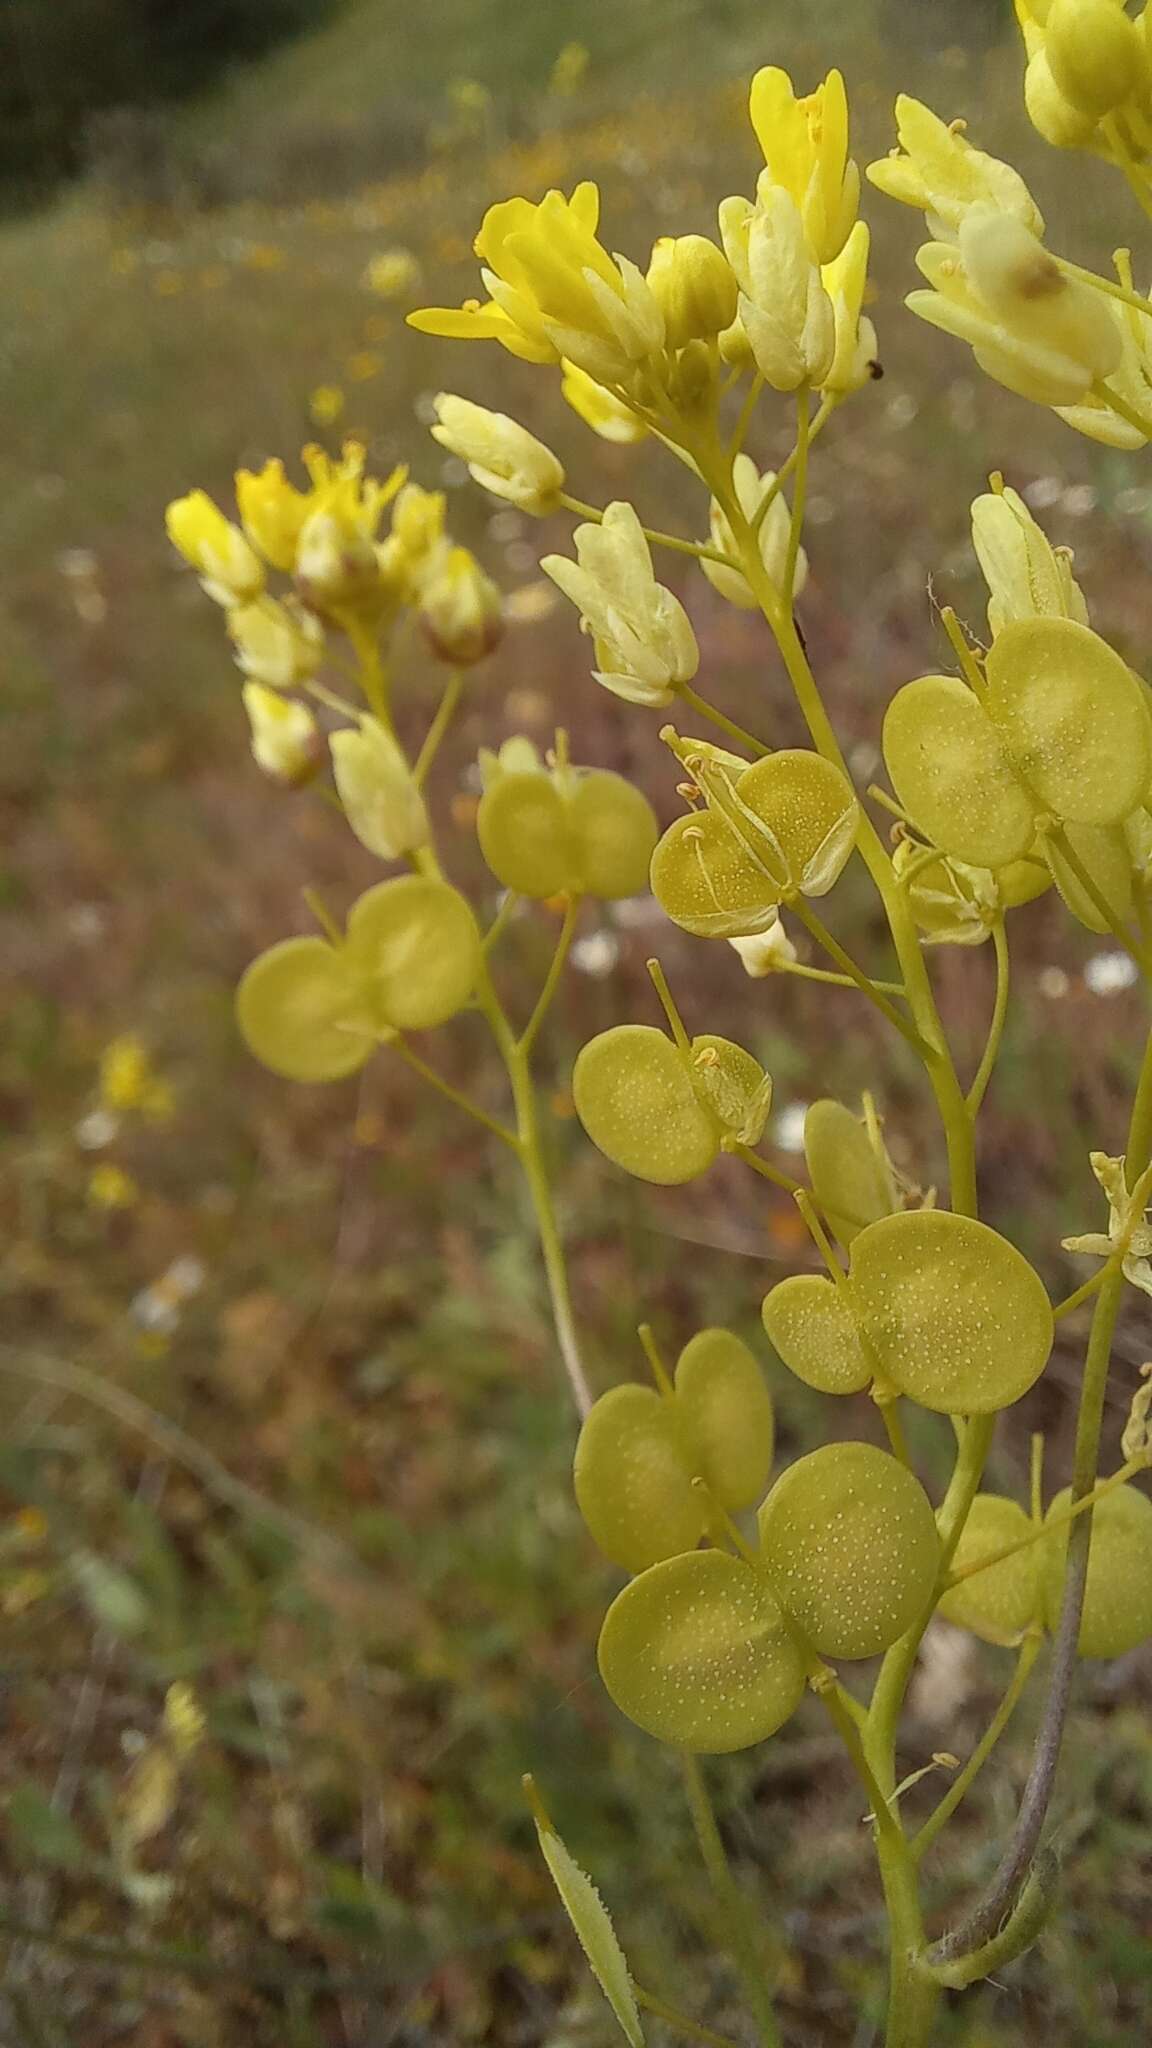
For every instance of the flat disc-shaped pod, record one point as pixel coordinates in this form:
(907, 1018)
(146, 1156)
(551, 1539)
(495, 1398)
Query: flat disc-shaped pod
(613, 831)
(954, 1315)
(695, 1651)
(522, 826)
(849, 1542)
(415, 942)
(1118, 1594)
(725, 1407)
(732, 1086)
(1102, 854)
(851, 1183)
(807, 809)
(810, 1323)
(952, 773)
(1000, 1603)
(1073, 718)
(303, 1012)
(706, 881)
(635, 1098)
(633, 1474)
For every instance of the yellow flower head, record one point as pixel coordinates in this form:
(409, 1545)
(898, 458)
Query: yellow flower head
(599, 408)
(694, 286)
(281, 645)
(554, 291)
(784, 311)
(502, 455)
(286, 741)
(109, 1187)
(392, 273)
(417, 541)
(326, 405)
(645, 646)
(126, 1073)
(229, 569)
(272, 511)
(805, 145)
(938, 170)
(336, 560)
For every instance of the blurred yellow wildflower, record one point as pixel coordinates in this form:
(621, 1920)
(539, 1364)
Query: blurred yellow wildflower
(461, 609)
(228, 567)
(570, 69)
(392, 273)
(363, 366)
(272, 512)
(805, 145)
(326, 405)
(129, 1081)
(109, 1187)
(286, 742)
(184, 1720)
(336, 562)
(280, 644)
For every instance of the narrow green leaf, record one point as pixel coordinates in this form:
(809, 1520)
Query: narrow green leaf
(594, 1929)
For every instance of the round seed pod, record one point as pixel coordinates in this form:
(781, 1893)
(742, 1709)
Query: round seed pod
(954, 1315)
(1118, 1593)
(1072, 717)
(1053, 116)
(415, 943)
(951, 771)
(695, 1651)
(522, 826)
(303, 1012)
(732, 1086)
(726, 1411)
(706, 881)
(851, 1182)
(633, 1474)
(635, 1098)
(808, 814)
(849, 1541)
(1105, 856)
(1000, 1603)
(613, 829)
(810, 1324)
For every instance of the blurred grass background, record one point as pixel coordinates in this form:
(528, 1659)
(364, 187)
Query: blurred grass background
(287, 1428)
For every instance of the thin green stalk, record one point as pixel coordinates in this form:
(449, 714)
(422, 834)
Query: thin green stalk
(800, 497)
(766, 1170)
(698, 549)
(984, 1071)
(373, 677)
(453, 1095)
(736, 1922)
(831, 945)
(556, 967)
(445, 712)
(679, 2021)
(964, 1780)
(1052, 1522)
(1080, 1295)
(826, 974)
(1120, 406)
(819, 421)
(720, 719)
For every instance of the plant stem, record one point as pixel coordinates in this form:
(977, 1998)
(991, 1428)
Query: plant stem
(984, 1071)
(1080, 1295)
(766, 1170)
(736, 1921)
(796, 523)
(445, 712)
(823, 937)
(678, 2021)
(961, 1784)
(552, 979)
(698, 549)
(453, 1095)
(373, 680)
(826, 974)
(719, 718)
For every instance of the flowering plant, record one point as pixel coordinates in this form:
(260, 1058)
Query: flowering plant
(1026, 765)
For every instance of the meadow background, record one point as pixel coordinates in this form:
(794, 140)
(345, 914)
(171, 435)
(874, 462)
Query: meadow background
(284, 1424)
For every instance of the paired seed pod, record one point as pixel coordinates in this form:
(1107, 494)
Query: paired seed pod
(956, 904)
(1062, 731)
(1000, 1603)
(312, 1010)
(849, 1542)
(935, 1306)
(563, 831)
(640, 1451)
(664, 1111)
(1118, 1593)
(783, 827)
(850, 1172)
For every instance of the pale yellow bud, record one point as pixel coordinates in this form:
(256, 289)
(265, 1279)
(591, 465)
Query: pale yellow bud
(461, 610)
(1027, 577)
(286, 741)
(784, 308)
(1022, 283)
(772, 538)
(272, 511)
(336, 565)
(1095, 53)
(692, 283)
(598, 407)
(278, 644)
(854, 360)
(381, 799)
(501, 454)
(770, 952)
(644, 643)
(1052, 116)
(228, 567)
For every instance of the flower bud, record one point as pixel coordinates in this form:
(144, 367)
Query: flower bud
(644, 643)
(502, 455)
(286, 740)
(272, 511)
(1027, 577)
(1095, 54)
(381, 799)
(772, 539)
(417, 544)
(278, 644)
(1052, 116)
(228, 567)
(785, 310)
(692, 283)
(336, 565)
(599, 408)
(1024, 287)
(461, 610)
(764, 953)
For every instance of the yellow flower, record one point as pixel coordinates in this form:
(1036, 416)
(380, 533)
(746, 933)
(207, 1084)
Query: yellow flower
(805, 145)
(286, 741)
(109, 1187)
(381, 799)
(502, 455)
(940, 172)
(1027, 577)
(228, 567)
(364, 365)
(336, 560)
(854, 359)
(750, 487)
(272, 511)
(694, 287)
(184, 1721)
(392, 273)
(461, 609)
(1032, 328)
(417, 542)
(326, 405)
(645, 646)
(554, 291)
(598, 407)
(569, 69)
(126, 1075)
(783, 308)
(278, 644)
(1095, 54)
